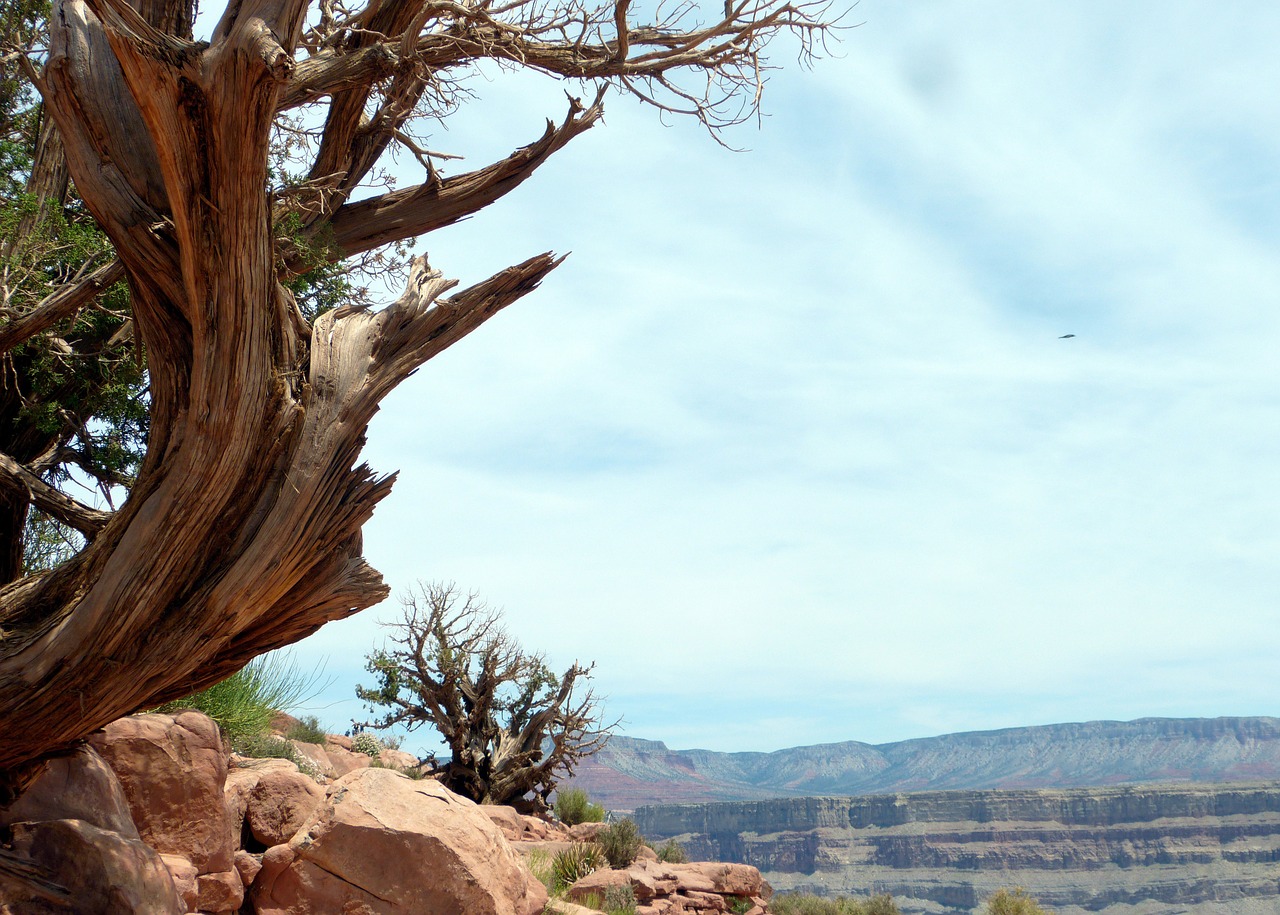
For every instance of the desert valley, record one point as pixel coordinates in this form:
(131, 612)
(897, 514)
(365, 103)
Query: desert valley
(1150, 817)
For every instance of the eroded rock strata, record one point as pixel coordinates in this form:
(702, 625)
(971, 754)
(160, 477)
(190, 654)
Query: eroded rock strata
(1149, 850)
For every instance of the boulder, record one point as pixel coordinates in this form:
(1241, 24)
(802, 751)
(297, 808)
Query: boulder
(397, 759)
(586, 832)
(342, 761)
(385, 844)
(184, 875)
(173, 769)
(102, 872)
(727, 879)
(243, 775)
(522, 827)
(223, 892)
(506, 819)
(279, 802)
(247, 866)
(76, 785)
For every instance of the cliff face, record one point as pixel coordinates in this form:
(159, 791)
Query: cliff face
(629, 773)
(1165, 850)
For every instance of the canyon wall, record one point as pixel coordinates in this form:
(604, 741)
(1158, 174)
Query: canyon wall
(1150, 850)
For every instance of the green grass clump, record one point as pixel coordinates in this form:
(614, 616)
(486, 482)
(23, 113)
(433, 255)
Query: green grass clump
(807, 904)
(575, 862)
(244, 703)
(1014, 902)
(620, 842)
(574, 807)
(539, 862)
(308, 730)
(672, 852)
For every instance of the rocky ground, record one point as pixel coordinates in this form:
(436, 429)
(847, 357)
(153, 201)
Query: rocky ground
(155, 817)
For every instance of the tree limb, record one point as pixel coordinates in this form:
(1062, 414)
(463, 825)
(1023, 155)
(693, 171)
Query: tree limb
(403, 214)
(59, 305)
(52, 501)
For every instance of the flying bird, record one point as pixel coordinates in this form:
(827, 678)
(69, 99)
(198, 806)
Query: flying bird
(1066, 336)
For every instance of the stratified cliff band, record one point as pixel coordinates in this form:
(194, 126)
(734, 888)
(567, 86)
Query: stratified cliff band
(1151, 850)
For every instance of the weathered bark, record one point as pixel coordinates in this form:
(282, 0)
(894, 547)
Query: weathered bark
(242, 531)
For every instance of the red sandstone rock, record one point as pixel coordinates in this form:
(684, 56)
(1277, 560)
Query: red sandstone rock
(539, 828)
(341, 740)
(77, 785)
(332, 760)
(728, 879)
(661, 888)
(172, 769)
(247, 866)
(506, 819)
(220, 892)
(315, 754)
(384, 844)
(398, 759)
(645, 853)
(279, 802)
(241, 779)
(184, 875)
(104, 872)
(585, 832)
(595, 884)
(343, 761)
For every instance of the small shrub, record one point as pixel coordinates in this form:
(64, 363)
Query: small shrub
(672, 852)
(573, 807)
(367, 744)
(619, 900)
(620, 842)
(308, 730)
(575, 862)
(1014, 902)
(741, 905)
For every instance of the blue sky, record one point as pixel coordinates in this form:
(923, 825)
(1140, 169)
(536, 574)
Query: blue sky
(790, 445)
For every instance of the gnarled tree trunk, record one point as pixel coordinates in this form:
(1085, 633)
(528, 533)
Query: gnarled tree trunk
(242, 532)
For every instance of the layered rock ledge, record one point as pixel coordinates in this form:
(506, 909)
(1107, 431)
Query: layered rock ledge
(1151, 850)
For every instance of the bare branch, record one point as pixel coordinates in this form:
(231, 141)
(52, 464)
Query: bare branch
(405, 214)
(63, 303)
(51, 500)
(512, 726)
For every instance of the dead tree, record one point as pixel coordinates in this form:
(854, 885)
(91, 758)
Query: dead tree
(241, 531)
(513, 727)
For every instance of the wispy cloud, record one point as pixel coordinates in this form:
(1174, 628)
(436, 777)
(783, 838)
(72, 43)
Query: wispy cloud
(790, 445)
